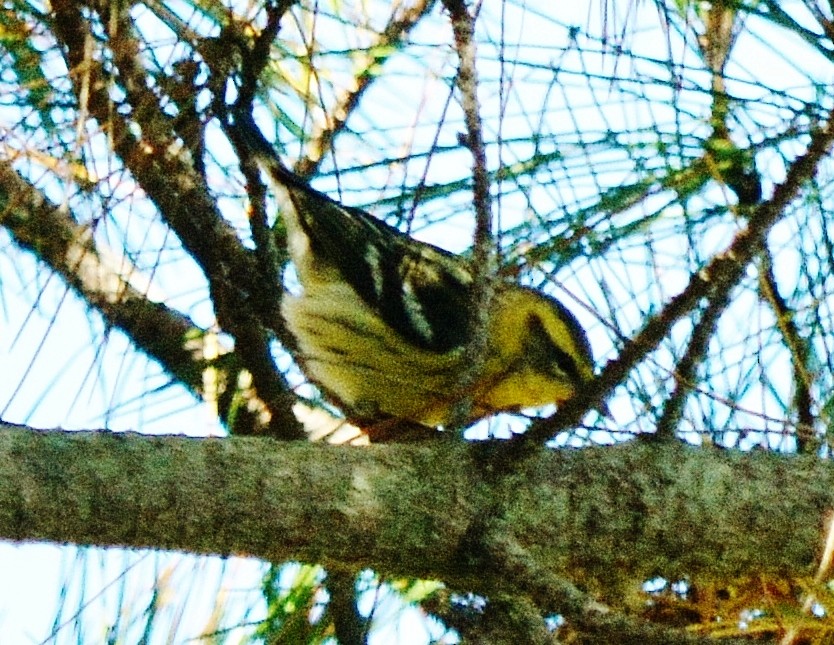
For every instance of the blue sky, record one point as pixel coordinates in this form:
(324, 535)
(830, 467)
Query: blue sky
(62, 370)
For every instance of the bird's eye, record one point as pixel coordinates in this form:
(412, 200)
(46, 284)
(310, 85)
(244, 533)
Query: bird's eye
(546, 349)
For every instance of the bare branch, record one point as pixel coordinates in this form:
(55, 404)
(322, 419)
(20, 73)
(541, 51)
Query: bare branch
(393, 36)
(246, 303)
(108, 285)
(483, 251)
(685, 372)
(720, 275)
(609, 518)
(800, 353)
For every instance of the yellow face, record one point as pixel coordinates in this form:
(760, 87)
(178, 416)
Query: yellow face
(535, 356)
(525, 389)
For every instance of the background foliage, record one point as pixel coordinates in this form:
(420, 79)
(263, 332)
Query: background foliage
(662, 168)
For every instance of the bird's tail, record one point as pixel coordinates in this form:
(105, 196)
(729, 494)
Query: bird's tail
(251, 142)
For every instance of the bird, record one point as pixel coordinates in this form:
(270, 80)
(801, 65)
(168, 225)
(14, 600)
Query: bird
(382, 321)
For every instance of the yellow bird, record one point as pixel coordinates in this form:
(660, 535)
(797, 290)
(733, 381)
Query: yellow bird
(382, 320)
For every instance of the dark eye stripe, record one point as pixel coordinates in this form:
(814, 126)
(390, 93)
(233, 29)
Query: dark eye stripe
(545, 355)
(566, 363)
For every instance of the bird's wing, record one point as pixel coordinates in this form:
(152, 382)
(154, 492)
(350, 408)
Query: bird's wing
(419, 290)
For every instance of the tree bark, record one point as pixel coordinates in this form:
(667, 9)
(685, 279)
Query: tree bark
(607, 518)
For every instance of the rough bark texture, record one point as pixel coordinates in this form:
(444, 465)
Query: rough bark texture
(606, 518)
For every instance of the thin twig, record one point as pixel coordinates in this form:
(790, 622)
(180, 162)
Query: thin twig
(721, 274)
(252, 65)
(394, 34)
(800, 354)
(483, 255)
(685, 371)
(791, 635)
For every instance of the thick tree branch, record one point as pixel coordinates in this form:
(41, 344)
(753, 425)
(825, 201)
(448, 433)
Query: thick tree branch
(610, 517)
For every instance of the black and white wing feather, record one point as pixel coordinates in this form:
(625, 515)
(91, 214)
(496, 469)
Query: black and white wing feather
(420, 291)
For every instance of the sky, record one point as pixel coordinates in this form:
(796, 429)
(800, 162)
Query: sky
(61, 370)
